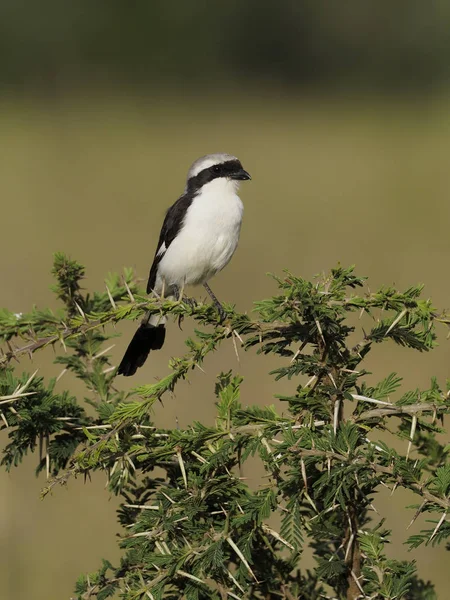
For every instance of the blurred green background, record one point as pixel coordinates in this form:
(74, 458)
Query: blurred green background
(340, 111)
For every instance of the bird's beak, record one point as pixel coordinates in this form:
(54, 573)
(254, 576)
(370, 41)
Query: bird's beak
(241, 175)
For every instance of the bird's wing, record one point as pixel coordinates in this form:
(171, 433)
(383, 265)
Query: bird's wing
(172, 224)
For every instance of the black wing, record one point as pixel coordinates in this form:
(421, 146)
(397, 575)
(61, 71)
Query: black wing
(172, 224)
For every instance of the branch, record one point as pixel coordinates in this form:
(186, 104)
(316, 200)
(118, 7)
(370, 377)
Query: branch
(77, 326)
(408, 409)
(80, 325)
(417, 487)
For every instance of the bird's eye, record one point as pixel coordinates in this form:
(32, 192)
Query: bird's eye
(216, 169)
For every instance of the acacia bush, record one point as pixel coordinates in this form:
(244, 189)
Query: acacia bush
(191, 526)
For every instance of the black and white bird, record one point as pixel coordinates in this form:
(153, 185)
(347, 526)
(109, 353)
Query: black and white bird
(199, 236)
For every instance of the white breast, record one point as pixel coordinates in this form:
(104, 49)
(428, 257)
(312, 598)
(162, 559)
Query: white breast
(208, 238)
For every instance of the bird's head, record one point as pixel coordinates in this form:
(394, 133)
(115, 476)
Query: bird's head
(215, 166)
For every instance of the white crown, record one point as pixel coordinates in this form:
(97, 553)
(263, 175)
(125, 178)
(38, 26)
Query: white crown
(207, 161)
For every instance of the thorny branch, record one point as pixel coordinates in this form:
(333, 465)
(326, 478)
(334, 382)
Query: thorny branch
(377, 468)
(201, 312)
(407, 409)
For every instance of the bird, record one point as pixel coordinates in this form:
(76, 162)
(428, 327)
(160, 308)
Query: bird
(199, 235)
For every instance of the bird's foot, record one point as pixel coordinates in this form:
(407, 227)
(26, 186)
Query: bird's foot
(179, 294)
(222, 312)
(191, 302)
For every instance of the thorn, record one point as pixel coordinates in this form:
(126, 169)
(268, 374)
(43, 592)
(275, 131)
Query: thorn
(183, 470)
(372, 506)
(198, 457)
(265, 443)
(308, 497)
(295, 355)
(358, 584)
(236, 583)
(25, 385)
(80, 310)
(189, 576)
(349, 546)
(396, 320)
(238, 336)
(63, 343)
(411, 435)
(241, 556)
(337, 405)
(436, 529)
(419, 510)
(303, 469)
(332, 380)
(130, 295)
(61, 374)
(235, 347)
(366, 399)
(277, 536)
(308, 383)
(168, 497)
(103, 352)
(319, 328)
(111, 299)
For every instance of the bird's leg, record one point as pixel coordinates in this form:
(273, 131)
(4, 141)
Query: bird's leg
(179, 292)
(182, 298)
(216, 302)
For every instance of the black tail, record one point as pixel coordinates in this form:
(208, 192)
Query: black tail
(147, 337)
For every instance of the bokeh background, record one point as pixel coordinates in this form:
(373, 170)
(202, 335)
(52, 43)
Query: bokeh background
(341, 113)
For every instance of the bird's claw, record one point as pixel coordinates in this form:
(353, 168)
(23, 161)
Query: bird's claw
(191, 302)
(222, 314)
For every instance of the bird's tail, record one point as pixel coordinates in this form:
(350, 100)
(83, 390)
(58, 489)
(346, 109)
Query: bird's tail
(149, 336)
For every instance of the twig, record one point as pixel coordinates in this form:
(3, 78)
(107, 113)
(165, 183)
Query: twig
(394, 409)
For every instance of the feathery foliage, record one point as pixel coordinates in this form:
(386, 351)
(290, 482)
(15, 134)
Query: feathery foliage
(191, 526)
